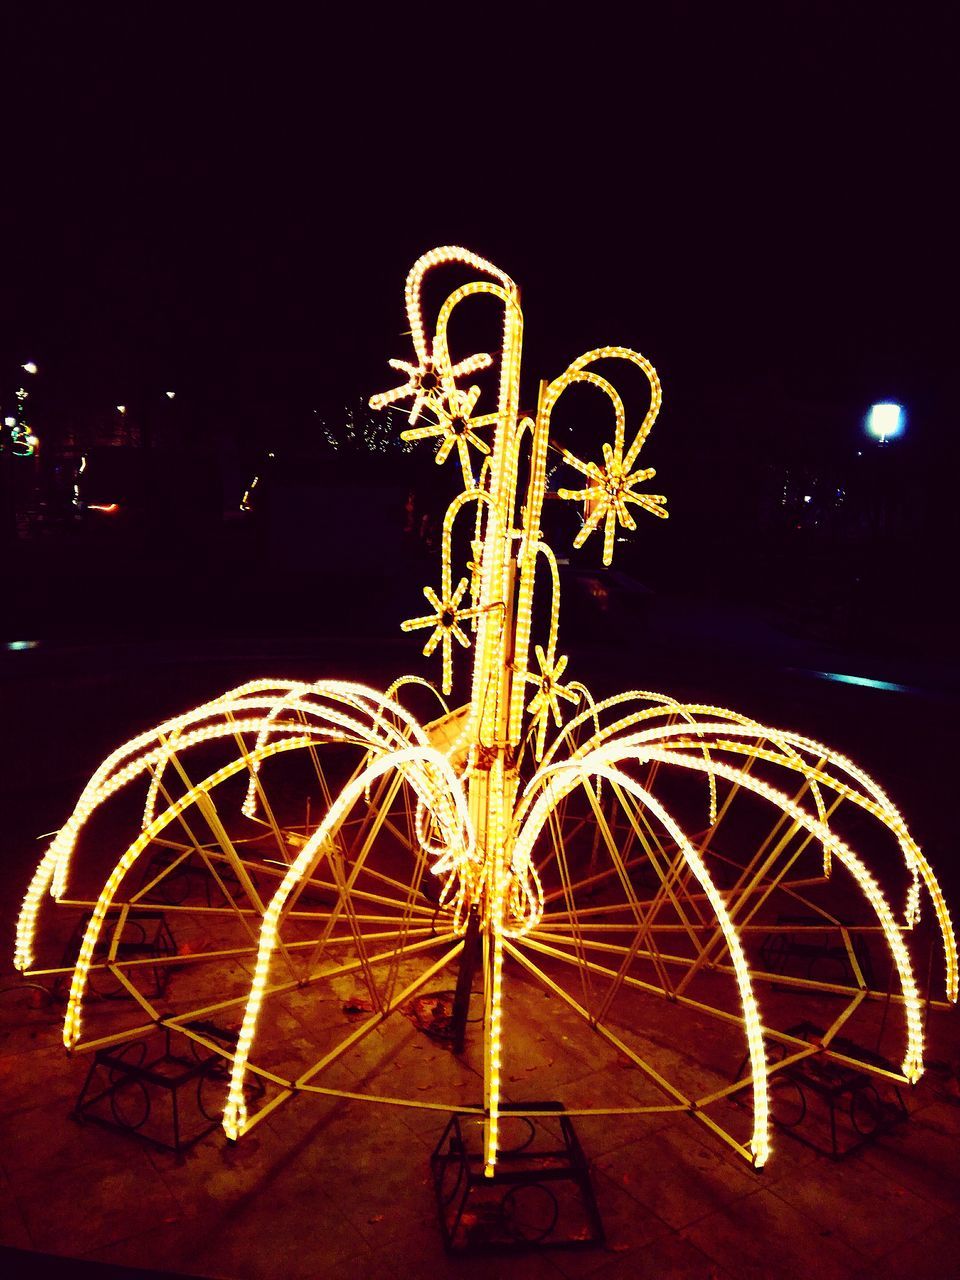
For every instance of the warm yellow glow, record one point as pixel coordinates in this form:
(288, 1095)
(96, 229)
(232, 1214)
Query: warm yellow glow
(613, 485)
(549, 690)
(425, 769)
(791, 752)
(448, 614)
(478, 821)
(457, 427)
(599, 764)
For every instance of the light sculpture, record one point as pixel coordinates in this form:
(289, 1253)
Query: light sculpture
(622, 896)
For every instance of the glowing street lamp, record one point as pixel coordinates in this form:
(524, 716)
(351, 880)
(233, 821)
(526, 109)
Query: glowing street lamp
(29, 366)
(885, 420)
(169, 394)
(121, 408)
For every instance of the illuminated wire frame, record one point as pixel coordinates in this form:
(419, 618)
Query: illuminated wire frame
(645, 851)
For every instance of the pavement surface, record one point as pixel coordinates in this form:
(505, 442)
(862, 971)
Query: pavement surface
(336, 1190)
(331, 1189)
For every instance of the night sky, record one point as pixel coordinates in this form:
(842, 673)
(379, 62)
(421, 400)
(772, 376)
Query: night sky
(226, 201)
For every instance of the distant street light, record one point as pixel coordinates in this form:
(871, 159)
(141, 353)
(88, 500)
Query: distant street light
(885, 420)
(22, 443)
(121, 408)
(169, 394)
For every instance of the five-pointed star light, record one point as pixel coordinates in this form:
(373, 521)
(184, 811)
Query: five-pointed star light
(549, 691)
(456, 427)
(445, 624)
(608, 495)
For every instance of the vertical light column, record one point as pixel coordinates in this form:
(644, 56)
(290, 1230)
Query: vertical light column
(489, 719)
(496, 877)
(528, 568)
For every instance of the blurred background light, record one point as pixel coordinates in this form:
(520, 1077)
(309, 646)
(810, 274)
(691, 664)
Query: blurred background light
(885, 420)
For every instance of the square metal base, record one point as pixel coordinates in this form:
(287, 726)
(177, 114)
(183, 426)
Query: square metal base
(540, 1196)
(170, 1100)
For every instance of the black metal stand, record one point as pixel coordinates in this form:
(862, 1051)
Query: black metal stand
(814, 954)
(468, 967)
(539, 1197)
(839, 1108)
(124, 1085)
(146, 936)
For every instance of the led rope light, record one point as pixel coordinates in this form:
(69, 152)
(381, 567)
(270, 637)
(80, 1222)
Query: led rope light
(602, 762)
(234, 1116)
(875, 801)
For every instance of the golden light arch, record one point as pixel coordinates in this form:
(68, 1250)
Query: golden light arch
(550, 828)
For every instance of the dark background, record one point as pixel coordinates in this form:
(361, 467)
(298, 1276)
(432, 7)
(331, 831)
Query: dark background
(761, 199)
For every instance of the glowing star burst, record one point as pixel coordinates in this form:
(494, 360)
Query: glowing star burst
(607, 497)
(427, 385)
(591, 866)
(444, 622)
(549, 691)
(457, 428)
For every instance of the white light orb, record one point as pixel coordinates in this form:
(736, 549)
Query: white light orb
(885, 420)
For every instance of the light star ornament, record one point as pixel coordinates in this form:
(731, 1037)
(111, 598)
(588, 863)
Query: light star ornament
(445, 622)
(607, 497)
(549, 691)
(456, 428)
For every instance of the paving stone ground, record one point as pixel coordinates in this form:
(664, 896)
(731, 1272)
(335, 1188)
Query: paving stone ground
(325, 1189)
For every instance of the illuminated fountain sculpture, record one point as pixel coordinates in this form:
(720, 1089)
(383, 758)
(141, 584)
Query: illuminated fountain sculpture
(548, 832)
